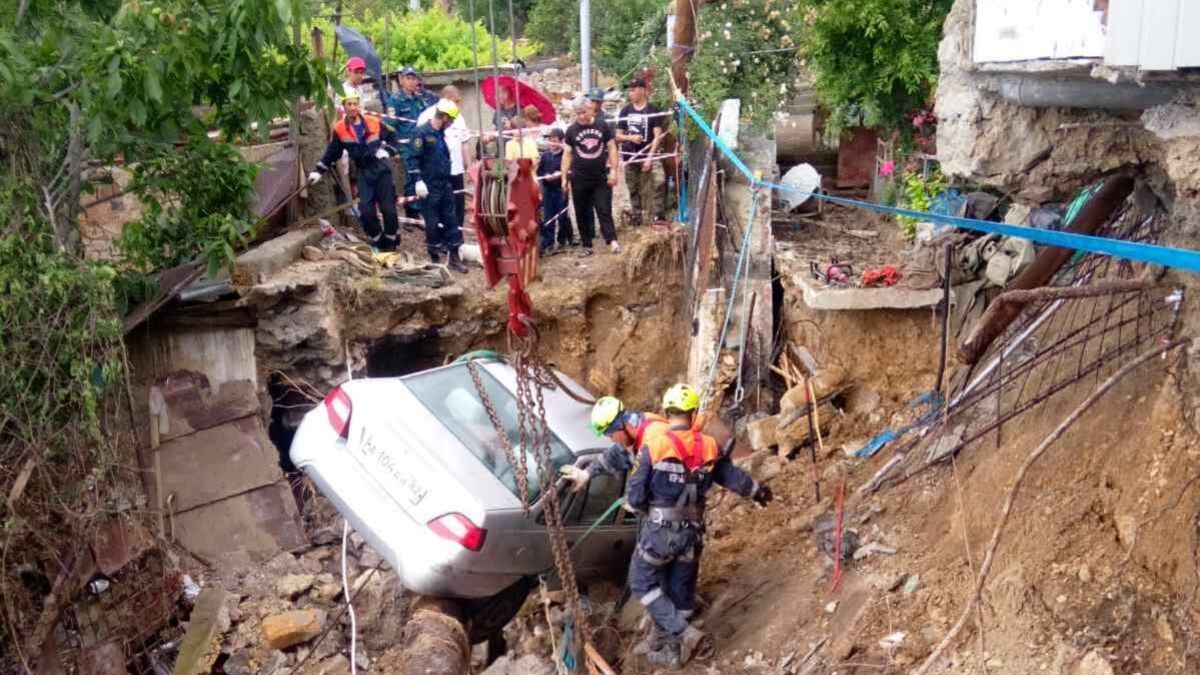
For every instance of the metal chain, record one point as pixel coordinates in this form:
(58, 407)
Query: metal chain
(520, 467)
(530, 378)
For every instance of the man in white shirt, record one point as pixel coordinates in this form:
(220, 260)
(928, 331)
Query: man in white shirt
(458, 140)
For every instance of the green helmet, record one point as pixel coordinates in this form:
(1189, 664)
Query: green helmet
(605, 412)
(681, 397)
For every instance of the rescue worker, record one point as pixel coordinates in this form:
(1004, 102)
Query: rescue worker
(370, 145)
(429, 172)
(673, 473)
(405, 107)
(625, 428)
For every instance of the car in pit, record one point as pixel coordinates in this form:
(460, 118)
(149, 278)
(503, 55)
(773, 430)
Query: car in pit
(415, 464)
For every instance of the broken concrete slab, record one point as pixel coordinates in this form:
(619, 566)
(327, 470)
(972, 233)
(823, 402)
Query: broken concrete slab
(261, 521)
(817, 296)
(289, 629)
(202, 642)
(259, 264)
(760, 433)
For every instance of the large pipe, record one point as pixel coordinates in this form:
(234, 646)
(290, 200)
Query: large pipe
(585, 44)
(1036, 92)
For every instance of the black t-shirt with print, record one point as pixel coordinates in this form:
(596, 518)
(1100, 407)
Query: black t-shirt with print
(640, 123)
(589, 149)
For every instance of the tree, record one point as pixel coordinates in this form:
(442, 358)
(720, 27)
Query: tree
(874, 62)
(623, 31)
(83, 84)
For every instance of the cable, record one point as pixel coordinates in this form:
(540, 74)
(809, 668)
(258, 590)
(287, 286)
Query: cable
(349, 602)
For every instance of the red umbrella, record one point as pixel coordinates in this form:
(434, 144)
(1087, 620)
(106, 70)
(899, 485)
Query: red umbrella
(521, 93)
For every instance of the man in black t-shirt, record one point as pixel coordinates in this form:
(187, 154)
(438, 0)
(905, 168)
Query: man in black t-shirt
(590, 163)
(640, 129)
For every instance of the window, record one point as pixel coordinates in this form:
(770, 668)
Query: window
(583, 508)
(449, 393)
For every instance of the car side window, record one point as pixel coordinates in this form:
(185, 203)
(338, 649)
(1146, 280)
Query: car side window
(602, 491)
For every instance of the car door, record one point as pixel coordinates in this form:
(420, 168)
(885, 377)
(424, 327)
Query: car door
(605, 550)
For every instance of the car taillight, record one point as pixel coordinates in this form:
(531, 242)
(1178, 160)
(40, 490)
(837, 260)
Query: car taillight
(337, 406)
(459, 529)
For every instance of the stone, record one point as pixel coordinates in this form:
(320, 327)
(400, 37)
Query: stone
(292, 586)
(831, 607)
(288, 629)
(334, 665)
(202, 643)
(525, 665)
(1092, 663)
(862, 400)
(1127, 527)
(771, 468)
(1085, 574)
(760, 433)
(911, 584)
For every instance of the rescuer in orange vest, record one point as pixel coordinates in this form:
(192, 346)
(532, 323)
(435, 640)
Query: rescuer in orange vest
(625, 428)
(370, 144)
(674, 470)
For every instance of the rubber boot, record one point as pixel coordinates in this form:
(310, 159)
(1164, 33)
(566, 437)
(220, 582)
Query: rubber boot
(456, 263)
(694, 643)
(667, 655)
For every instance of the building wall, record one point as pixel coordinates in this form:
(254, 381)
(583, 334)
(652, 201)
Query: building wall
(1152, 35)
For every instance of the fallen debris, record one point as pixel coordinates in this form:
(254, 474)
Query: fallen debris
(292, 628)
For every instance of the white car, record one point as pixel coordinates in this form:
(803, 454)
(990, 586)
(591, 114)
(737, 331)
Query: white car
(416, 466)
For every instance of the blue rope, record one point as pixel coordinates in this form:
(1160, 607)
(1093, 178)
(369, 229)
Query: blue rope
(1178, 258)
(743, 260)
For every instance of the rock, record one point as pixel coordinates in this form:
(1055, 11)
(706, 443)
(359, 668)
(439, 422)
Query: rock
(292, 586)
(1018, 214)
(201, 644)
(886, 583)
(379, 602)
(1092, 664)
(751, 463)
(911, 584)
(334, 665)
(893, 640)
(771, 467)
(292, 628)
(863, 401)
(873, 548)
(831, 607)
(369, 559)
(525, 665)
(1127, 527)
(1085, 574)
(760, 433)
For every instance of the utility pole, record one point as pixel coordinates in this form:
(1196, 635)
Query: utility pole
(585, 44)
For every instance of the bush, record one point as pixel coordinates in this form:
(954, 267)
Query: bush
(746, 50)
(432, 40)
(623, 31)
(874, 62)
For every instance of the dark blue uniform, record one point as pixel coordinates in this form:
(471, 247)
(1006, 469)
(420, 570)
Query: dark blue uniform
(429, 161)
(554, 203)
(405, 110)
(361, 141)
(674, 472)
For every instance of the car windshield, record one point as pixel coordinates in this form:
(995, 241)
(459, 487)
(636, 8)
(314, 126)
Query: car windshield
(450, 395)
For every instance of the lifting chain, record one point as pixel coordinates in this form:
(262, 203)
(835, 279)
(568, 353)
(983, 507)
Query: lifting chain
(531, 379)
(519, 465)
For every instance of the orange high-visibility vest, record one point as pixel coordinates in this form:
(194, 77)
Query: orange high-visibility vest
(345, 131)
(650, 422)
(690, 448)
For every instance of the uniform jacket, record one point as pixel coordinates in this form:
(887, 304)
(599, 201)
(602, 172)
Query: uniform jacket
(360, 149)
(429, 156)
(617, 459)
(676, 458)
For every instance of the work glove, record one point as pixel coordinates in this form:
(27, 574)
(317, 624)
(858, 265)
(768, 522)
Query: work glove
(421, 189)
(763, 495)
(314, 176)
(577, 477)
(381, 154)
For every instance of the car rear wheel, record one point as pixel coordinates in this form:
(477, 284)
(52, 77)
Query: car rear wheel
(488, 617)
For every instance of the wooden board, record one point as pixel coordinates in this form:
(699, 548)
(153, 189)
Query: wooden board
(216, 463)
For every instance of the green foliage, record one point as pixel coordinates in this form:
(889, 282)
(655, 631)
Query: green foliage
(521, 10)
(746, 49)
(201, 197)
(623, 31)
(90, 84)
(917, 192)
(431, 40)
(874, 62)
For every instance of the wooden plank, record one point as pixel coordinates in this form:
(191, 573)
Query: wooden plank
(1187, 47)
(1124, 44)
(216, 463)
(190, 406)
(1159, 22)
